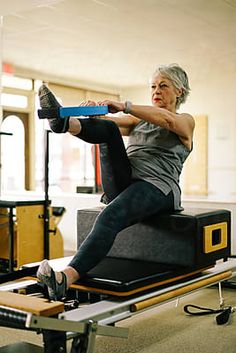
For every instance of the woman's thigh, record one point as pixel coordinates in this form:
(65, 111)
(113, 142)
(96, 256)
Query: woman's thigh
(115, 165)
(137, 202)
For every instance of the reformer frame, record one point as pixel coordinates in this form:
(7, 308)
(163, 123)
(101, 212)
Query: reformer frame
(82, 325)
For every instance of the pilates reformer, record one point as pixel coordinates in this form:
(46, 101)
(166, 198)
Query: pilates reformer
(82, 325)
(127, 282)
(150, 263)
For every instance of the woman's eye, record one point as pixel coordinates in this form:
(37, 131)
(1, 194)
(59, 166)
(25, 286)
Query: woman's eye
(162, 85)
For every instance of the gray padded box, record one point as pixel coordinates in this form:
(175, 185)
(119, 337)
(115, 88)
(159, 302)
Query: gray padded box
(193, 237)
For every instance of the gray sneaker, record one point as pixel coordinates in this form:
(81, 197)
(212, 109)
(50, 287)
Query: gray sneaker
(48, 100)
(56, 291)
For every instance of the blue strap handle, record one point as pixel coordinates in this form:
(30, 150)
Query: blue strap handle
(63, 112)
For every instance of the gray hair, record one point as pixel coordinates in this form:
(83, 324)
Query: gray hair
(178, 77)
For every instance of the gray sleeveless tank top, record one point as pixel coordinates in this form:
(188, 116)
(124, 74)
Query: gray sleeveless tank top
(157, 156)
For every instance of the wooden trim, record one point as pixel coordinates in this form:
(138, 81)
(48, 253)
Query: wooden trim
(180, 291)
(37, 306)
(137, 290)
(208, 245)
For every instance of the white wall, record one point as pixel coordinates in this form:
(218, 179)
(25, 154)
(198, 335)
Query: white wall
(137, 95)
(215, 96)
(68, 223)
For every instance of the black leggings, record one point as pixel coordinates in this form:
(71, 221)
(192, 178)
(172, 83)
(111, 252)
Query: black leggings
(115, 165)
(130, 201)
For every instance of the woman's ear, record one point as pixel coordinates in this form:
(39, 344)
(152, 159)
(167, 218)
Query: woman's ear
(179, 92)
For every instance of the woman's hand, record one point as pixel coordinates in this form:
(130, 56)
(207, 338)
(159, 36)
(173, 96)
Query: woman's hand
(113, 107)
(87, 103)
(90, 103)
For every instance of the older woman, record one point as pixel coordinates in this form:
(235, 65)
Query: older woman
(139, 181)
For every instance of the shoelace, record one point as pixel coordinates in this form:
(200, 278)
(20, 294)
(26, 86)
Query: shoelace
(221, 319)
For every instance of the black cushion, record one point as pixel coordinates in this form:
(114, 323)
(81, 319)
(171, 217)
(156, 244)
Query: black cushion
(124, 275)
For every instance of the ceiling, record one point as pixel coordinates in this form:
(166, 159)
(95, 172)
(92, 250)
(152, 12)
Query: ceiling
(117, 43)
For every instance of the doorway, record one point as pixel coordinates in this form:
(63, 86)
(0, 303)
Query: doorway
(15, 150)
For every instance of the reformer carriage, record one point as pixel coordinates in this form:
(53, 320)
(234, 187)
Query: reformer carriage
(172, 255)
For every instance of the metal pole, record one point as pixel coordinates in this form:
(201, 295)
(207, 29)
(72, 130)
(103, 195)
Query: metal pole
(11, 240)
(46, 199)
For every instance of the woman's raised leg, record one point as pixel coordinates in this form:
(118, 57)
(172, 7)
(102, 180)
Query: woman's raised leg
(115, 165)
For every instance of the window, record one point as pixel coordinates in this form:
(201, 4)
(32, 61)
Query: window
(16, 82)
(14, 100)
(12, 154)
(71, 161)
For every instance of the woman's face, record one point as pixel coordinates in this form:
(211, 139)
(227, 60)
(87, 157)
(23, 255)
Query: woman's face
(164, 93)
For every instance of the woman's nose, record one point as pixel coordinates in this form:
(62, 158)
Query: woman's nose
(156, 89)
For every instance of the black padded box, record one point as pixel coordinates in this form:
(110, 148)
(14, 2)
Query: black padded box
(193, 238)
